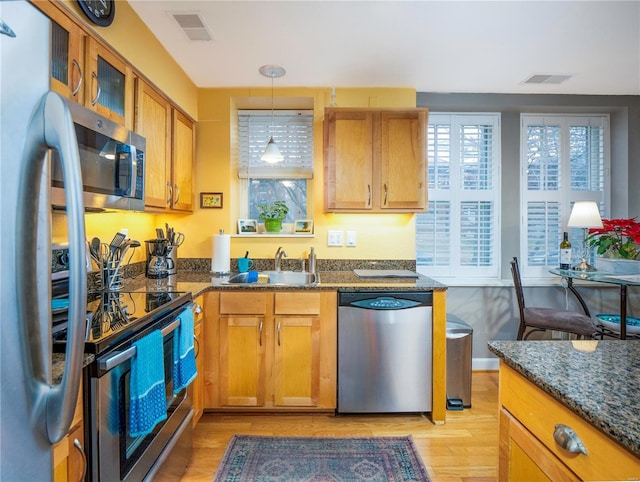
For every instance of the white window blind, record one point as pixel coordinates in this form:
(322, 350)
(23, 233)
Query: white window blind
(564, 159)
(459, 234)
(293, 134)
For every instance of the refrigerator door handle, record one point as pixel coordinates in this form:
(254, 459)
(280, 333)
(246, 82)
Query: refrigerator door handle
(51, 127)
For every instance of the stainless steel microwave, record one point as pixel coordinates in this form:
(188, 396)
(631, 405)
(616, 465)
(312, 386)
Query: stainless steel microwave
(112, 162)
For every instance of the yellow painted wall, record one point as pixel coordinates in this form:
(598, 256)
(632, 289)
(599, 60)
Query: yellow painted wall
(388, 236)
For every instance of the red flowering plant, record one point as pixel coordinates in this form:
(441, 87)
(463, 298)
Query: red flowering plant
(618, 238)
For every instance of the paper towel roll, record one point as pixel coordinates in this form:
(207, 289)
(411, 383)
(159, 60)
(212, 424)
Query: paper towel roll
(220, 258)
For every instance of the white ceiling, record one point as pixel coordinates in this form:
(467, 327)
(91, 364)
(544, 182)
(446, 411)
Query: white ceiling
(432, 46)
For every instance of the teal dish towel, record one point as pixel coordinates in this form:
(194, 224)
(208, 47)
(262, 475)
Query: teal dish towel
(184, 363)
(148, 404)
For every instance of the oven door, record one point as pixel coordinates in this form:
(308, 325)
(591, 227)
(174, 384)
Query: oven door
(116, 455)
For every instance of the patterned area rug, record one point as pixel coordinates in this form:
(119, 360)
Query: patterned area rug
(278, 459)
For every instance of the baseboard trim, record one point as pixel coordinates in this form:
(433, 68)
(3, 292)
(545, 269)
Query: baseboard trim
(485, 364)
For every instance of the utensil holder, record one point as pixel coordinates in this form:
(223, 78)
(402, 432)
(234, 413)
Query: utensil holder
(111, 277)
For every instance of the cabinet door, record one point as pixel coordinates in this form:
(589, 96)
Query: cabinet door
(243, 342)
(348, 157)
(182, 162)
(108, 79)
(153, 121)
(403, 172)
(77, 458)
(296, 371)
(67, 55)
(524, 458)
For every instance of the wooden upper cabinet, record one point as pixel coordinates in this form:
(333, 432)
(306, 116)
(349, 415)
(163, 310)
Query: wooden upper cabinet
(68, 77)
(110, 82)
(375, 160)
(182, 162)
(403, 167)
(153, 122)
(348, 157)
(170, 150)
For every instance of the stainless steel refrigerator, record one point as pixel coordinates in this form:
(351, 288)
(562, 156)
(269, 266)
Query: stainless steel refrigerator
(34, 413)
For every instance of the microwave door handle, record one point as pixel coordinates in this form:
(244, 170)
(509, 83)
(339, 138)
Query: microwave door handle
(51, 127)
(133, 170)
(130, 151)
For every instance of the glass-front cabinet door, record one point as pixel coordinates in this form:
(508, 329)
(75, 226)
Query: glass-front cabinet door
(109, 77)
(67, 56)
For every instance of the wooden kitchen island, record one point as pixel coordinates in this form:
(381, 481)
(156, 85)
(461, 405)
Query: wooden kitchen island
(555, 392)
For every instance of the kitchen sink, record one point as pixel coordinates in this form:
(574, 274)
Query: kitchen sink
(288, 278)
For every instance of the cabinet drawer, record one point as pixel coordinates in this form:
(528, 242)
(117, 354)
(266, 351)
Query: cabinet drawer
(244, 302)
(297, 303)
(540, 412)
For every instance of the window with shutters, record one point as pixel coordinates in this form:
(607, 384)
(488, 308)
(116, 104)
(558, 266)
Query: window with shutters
(564, 159)
(459, 234)
(262, 182)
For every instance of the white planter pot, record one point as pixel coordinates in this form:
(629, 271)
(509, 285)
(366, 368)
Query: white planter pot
(618, 266)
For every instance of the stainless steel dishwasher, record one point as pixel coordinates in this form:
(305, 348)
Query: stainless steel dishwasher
(385, 351)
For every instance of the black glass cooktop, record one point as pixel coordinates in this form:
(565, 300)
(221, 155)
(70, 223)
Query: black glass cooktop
(114, 317)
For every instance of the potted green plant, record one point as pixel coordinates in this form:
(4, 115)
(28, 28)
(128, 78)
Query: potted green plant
(272, 215)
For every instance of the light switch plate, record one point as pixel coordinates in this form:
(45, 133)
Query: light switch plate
(351, 238)
(335, 238)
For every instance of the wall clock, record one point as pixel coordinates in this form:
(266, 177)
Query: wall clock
(100, 12)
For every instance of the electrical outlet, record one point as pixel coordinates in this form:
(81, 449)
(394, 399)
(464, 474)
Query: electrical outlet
(351, 238)
(335, 238)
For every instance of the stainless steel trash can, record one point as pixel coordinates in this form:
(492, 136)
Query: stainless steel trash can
(459, 351)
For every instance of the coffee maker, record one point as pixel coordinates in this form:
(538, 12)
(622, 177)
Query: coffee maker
(159, 263)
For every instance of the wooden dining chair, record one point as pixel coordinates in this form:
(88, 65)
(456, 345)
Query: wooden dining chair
(543, 319)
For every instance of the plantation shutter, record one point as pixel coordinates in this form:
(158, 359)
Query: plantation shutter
(293, 134)
(459, 233)
(564, 160)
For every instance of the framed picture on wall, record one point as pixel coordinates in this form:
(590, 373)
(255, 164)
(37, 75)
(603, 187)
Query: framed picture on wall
(247, 226)
(303, 226)
(211, 200)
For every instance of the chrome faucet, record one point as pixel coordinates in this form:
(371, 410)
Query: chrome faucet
(278, 257)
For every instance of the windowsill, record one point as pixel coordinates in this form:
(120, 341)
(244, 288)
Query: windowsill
(274, 235)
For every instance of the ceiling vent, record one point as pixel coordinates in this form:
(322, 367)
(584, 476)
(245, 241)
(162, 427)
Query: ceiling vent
(193, 25)
(547, 79)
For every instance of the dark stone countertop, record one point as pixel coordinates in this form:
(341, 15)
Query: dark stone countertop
(58, 365)
(200, 281)
(601, 386)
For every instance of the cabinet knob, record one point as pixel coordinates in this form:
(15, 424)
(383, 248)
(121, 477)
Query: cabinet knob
(567, 438)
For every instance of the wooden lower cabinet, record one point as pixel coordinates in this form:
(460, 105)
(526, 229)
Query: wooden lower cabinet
(528, 451)
(69, 459)
(272, 350)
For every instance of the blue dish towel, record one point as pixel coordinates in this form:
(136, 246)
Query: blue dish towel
(184, 362)
(148, 400)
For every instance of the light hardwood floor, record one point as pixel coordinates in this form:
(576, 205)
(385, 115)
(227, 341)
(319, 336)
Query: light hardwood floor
(463, 449)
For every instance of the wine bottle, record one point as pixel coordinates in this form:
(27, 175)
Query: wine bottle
(565, 252)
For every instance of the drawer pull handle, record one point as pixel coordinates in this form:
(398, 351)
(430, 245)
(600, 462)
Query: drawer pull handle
(567, 438)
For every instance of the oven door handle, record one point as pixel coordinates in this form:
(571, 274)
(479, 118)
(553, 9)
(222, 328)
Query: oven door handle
(118, 358)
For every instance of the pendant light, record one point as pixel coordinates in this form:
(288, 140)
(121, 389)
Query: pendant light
(271, 153)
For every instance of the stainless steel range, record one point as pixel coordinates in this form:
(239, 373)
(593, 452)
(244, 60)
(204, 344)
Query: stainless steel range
(115, 320)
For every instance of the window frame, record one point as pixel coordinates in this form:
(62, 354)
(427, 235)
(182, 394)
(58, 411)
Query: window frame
(564, 196)
(287, 170)
(457, 197)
